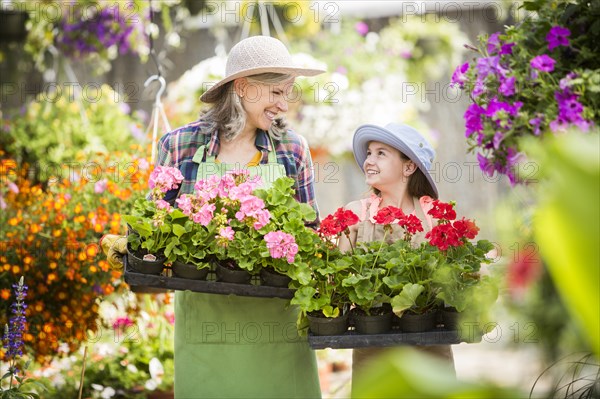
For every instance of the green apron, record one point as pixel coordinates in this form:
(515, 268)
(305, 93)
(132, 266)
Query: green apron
(229, 346)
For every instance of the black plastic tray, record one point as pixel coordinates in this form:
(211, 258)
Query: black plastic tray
(140, 282)
(352, 339)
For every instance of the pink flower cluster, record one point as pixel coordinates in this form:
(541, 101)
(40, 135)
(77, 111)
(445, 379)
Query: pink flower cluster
(163, 179)
(226, 195)
(281, 245)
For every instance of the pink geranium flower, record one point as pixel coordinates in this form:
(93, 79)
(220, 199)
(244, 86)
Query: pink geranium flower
(281, 245)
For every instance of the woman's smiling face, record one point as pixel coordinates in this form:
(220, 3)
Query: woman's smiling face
(264, 102)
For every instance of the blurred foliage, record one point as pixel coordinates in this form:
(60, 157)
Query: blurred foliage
(407, 373)
(129, 356)
(59, 128)
(567, 230)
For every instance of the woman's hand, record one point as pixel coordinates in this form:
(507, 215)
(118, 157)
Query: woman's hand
(114, 247)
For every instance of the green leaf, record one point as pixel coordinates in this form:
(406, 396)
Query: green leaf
(178, 230)
(407, 298)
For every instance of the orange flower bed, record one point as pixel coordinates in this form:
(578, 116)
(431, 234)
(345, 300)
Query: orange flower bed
(50, 236)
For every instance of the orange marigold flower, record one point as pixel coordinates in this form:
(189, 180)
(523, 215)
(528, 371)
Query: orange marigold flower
(91, 250)
(57, 233)
(93, 269)
(13, 221)
(5, 294)
(35, 228)
(98, 228)
(16, 269)
(103, 265)
(78, 208)
(27, 260)
(82, 256)
(51, 277)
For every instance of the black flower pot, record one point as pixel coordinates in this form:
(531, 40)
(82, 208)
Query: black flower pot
(321, 325)
(189, 271)
(228, 272)
(273, 279)
(412, 322)
(141, 265)
(372, 324)
(449, 318)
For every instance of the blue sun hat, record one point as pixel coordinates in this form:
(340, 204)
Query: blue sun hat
(401, 137)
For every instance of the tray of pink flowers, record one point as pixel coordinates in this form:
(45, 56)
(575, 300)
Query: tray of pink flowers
(225, 235)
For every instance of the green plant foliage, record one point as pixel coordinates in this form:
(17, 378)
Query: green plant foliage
(567, 230)
(55, 131)
(406, 373)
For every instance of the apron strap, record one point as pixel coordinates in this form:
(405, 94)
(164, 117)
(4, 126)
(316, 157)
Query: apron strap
(200, 154)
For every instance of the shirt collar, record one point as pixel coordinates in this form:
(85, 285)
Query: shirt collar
(261, 142)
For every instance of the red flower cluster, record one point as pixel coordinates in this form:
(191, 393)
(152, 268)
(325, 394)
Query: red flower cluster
(335, 224)
(391, 214)
(442, 210)
(447, 233)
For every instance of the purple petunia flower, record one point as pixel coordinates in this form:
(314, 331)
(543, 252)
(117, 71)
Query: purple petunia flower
(536, 122)
(497, 139)
(486, 165)
(557, 36)
(507, 86)
(472, 116)
(506, 48)
(493, 43)
(543, 63)
(459, 76)
(569, 112)
(487, 65)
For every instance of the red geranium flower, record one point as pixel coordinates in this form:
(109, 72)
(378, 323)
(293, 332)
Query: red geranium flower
(442, 210)
(388, 214)
(444, 236)
(411, 223)
(329, 227)
(466, 228)
(346, 218)
(334, 224)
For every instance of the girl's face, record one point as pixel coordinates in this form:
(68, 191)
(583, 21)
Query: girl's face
(384, 166)
(263, 102)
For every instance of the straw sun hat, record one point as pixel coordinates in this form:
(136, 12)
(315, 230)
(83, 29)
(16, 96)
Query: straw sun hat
(401, 137)
(255, 55)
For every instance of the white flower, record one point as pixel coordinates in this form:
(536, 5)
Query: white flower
(156, 369)
(97, 387)
(132, 368)
(151, 385)
(108, 393)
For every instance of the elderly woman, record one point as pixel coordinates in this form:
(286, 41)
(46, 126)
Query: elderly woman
(229, 346)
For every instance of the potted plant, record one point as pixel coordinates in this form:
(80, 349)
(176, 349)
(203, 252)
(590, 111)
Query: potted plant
(153, 224)
(241, 229)
(378, 268)
(440, 269)
(324, 300)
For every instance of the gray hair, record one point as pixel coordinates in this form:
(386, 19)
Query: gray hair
(229, 117)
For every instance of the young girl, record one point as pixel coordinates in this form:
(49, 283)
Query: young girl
(396, 161)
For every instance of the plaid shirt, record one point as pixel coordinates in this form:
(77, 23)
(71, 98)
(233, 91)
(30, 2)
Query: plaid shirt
(177, 149)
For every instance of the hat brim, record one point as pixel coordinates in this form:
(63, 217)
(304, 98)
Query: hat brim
(211, 95)
(367, 133)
